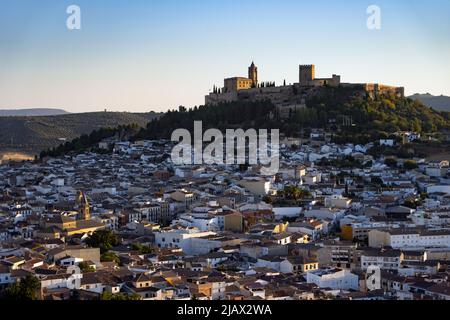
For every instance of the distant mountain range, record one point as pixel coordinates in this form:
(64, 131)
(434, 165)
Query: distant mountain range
(37, 112)
(32, 134)
(439, 103)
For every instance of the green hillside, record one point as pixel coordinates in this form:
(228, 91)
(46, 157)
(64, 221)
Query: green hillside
(351, 118)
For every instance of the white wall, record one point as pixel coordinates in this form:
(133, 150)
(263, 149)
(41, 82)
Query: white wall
(343, 280)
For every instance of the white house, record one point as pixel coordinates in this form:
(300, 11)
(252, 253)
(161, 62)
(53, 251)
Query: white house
(384, 259)
(69, 280)
(257, 186)
(325, 213)
(409, 238)
(333, 278)
(387, 142)
(192, 241)
(437, 168)
(337, 201)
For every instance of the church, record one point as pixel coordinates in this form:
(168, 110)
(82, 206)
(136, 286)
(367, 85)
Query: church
(240, 83)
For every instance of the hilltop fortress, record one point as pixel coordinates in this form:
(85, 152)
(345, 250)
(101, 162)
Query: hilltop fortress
(289, 96)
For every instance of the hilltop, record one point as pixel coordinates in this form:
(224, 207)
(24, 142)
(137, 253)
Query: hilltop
(35, 112)
(439, 103)
(351, 118)
(31, 135)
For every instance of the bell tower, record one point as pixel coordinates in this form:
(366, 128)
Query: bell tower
(253, 74)
(83, 206)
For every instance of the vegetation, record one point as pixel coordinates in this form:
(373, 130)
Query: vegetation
(413, 203)
(390, 162)
(142, 248)
(26, 289)
(109, 257)
(103, 239)
(387, 113)
(85, 142)
(119, 296)
(85, 267)
(410, 165)
(223, 116)
(294, 193)
(289, 196)
(31, 135)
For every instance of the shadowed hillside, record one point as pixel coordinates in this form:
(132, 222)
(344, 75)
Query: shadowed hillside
(34, 134)
(35, 112)
(440, 103)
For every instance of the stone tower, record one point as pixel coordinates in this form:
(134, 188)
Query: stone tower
(253, 74)
(307, 74)
(83, 206)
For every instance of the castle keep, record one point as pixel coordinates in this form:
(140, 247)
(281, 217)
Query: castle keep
(291, 96)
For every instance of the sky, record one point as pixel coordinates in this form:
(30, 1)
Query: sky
(155, 55)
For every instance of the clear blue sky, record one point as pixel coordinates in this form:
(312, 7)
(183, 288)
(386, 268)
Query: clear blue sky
(143, 55)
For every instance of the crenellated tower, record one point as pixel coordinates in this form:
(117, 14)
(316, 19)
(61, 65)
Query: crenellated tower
(307, 74)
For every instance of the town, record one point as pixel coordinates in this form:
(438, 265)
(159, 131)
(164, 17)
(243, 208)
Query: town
(131, 224)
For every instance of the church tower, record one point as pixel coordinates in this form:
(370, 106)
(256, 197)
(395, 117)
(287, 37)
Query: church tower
(83, 206)
(253, 74)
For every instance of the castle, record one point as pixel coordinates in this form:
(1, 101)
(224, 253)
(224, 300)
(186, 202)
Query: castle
(291, 96)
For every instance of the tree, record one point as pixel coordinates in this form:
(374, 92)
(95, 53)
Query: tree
(119, 296)
(391, 162)
(109, 257)
(26, 289)
(103, 239)
(412, 203)
(295, 193)
(377, 181)
(142, 249)
(85, 267)
(267, 199)
(410, 165)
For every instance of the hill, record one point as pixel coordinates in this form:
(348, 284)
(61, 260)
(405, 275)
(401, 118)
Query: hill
(440, 103)
(352, 118)
(36, 112)
(31, 135)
